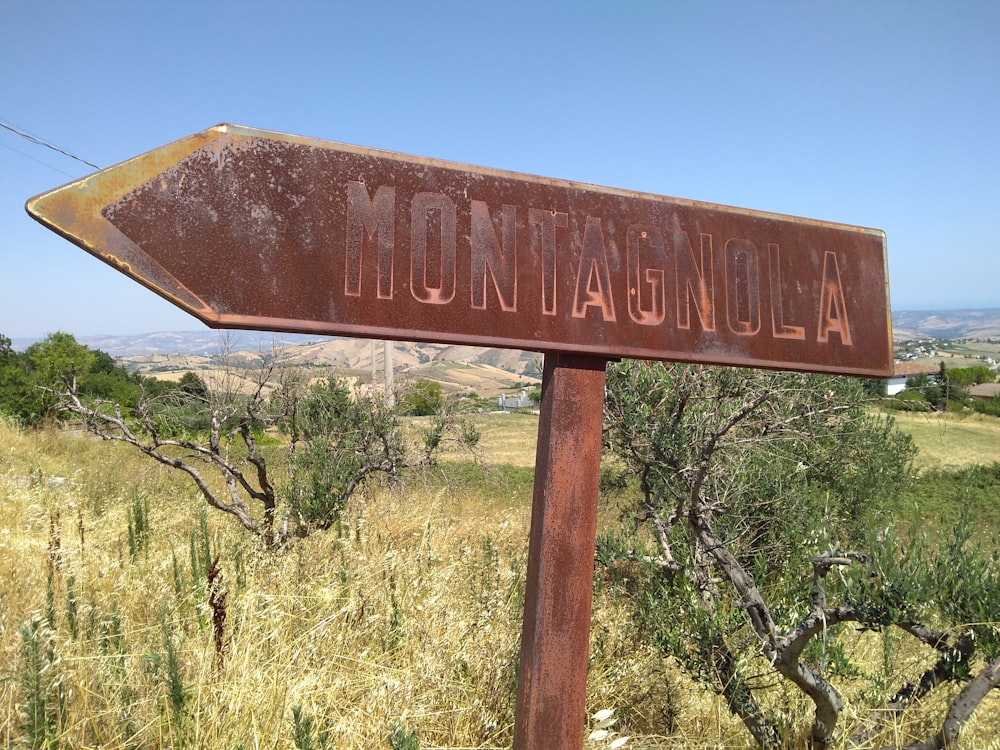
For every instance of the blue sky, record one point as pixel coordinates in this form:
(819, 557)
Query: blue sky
(878, 114)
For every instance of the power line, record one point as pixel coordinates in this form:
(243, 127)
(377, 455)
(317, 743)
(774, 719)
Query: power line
(46, 144)
(37, 161)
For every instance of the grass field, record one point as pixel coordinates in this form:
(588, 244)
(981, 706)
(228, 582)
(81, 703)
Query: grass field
(944, 440)
(951, 441)
(401, 625)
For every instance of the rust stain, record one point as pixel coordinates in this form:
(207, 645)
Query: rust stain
(251, 229)
(556, 631)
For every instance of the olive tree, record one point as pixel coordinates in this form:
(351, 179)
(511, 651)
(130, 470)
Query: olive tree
(753, 487)
(340, 440)
(335, 441)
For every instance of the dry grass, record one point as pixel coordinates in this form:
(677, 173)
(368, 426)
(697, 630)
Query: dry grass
(952, 441)
(408, 617)
(508, 438)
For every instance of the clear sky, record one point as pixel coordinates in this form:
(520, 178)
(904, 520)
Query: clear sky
(878, 114)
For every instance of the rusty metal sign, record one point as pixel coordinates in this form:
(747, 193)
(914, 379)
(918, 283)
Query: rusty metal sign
(252, 229)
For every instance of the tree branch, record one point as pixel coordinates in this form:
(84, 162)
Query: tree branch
(112, 426)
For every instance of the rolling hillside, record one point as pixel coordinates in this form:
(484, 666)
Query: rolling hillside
(459, 368)
(946, 324)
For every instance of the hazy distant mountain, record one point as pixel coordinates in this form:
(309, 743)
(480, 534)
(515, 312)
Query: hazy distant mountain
(945, 324)
(907, 325)
(206, 343)
(341, 352)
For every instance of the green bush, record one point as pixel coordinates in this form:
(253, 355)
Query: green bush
(422, 398)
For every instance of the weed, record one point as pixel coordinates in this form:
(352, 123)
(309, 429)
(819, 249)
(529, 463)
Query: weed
(50, 599)
(55, 541)
(302, 732)
(112, 641)
(217, 602)
(71, 610)
(401, 738)
(176, 694)
(114, 659)
(178, 579)
(307, 626)
(80, 530)
(44, 699)
(167, 669)
(485, 575)
(138, 526)
(396, 632)
(200, 550)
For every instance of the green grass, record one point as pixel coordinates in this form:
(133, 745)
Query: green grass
(941, 497)
(951, 441)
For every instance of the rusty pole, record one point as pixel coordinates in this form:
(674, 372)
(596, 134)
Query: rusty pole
(555, 635)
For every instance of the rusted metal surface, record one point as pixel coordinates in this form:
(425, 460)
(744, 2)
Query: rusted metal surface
(251, 229)
(551, 695)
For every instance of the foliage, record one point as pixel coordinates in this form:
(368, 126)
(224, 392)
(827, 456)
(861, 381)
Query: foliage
(877, 387)
(748, 481)
(962, 377)
(337, 625)
(177, 409)
(948, 390)
(230, 451)
(422, 398)
(138, 526)
(955, 578)
(990, 407)
(401, 738)
(929, 389)
(944, 495)
(339, 442)
(29, 381)
(193, 386)
(44, 705)
(910, 400)
(762, 447)
(303, 731)
(535, 393)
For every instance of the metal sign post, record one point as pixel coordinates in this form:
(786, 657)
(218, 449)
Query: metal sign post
(555, 636)
(252, 229)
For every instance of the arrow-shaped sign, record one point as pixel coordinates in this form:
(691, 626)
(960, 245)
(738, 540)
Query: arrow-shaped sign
(253, 229)
(250, 229)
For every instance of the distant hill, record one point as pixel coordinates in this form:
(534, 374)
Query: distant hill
(460, 369)
(907, 325)
(945, 324)
(206, 342)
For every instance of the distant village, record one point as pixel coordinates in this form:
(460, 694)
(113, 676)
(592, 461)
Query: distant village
(906, 351)
(921, 365)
